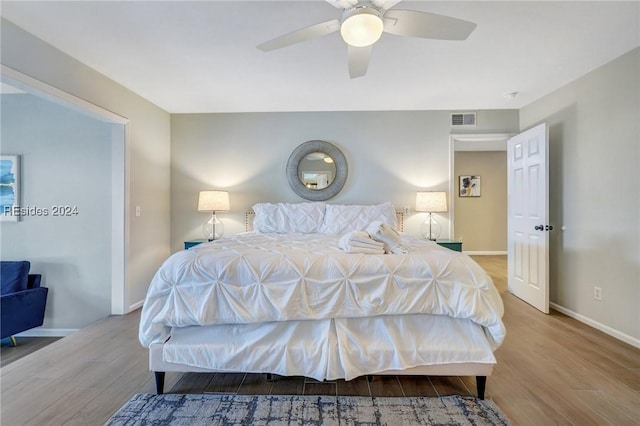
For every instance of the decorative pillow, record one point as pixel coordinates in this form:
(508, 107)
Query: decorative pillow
(340, 219)
(284, 218)
(14, 276)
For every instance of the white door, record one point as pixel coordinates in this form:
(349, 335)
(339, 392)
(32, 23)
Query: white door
(528, 217)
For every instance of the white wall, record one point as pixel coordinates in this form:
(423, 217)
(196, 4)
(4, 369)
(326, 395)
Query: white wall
(594, 140)
(391, 155)
(65, 161)
(148, 150)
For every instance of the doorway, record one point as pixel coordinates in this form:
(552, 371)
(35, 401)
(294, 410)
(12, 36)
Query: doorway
(116, 171)
(479, 217)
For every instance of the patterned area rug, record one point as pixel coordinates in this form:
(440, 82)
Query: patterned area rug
(215, 409)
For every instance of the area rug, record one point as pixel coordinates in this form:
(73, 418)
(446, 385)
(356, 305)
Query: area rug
(216, 409)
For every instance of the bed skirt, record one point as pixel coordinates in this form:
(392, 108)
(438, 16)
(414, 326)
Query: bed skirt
(331, 349)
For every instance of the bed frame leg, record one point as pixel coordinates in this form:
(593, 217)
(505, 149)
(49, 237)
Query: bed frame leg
(481, 384)
(159, 382)
(269, 377)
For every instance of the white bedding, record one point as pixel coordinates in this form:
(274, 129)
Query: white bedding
(331, 349)
(258, 278)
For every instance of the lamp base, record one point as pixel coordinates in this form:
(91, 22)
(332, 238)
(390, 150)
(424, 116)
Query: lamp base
(213, 229)
(431, 228)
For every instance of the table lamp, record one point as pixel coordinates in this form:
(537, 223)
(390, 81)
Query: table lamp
(431, 202)
(212, 201)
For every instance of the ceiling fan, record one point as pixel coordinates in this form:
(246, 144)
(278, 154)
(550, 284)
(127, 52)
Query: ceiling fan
(363, 22)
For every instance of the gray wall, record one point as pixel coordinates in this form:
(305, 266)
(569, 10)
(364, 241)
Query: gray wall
(147, 153)
(594, 142)
(481, 222)
(65, 160)
(391, 155)
(595, 163)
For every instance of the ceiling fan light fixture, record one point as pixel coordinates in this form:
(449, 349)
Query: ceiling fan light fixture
(361, 27)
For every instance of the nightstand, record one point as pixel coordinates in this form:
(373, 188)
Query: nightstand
(193, 243)
(451, 245)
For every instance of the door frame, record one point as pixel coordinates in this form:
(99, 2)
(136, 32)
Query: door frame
(470, 142)
(120, 180)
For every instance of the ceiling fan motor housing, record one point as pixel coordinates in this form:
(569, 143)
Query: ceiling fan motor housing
(361, 26)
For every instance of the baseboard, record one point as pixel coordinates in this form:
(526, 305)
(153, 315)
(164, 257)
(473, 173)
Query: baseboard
(597, 325)
(485, 253)
(135, 306)
(47, 332)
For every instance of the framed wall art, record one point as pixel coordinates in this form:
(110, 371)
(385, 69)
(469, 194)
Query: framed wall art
(469, 186)
(9, 187)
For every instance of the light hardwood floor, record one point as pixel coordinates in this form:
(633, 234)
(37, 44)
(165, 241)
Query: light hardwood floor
(551, 370)
(25, 346)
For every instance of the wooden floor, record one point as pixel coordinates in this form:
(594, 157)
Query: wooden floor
(25, 346)
(551, 370)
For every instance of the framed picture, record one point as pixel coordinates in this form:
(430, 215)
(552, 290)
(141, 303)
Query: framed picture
(469, 186)
(9, 187)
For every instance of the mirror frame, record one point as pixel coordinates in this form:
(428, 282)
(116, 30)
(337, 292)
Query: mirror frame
(300, 153)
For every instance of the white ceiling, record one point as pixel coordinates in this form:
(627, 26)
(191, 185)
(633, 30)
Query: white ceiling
(190, 57)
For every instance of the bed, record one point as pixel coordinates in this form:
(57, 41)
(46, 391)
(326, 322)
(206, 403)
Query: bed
(285, 299)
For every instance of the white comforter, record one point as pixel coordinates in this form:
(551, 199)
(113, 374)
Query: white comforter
(257, 278)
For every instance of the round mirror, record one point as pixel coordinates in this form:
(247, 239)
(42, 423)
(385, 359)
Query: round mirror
(317, 170)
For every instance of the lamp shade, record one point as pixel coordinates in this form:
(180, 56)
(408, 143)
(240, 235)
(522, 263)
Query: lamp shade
(213, 201)
(431, 201)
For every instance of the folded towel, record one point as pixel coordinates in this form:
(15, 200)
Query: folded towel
(388, 236)
(359, 242)
(350, 249)
(361, 237)
(376, 245)
(358, 234)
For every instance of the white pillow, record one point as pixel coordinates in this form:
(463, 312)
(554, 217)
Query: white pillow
(285, 218)
(340, 219)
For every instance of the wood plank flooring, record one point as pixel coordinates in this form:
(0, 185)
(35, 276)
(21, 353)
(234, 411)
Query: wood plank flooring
(551, 370)
(26, 345)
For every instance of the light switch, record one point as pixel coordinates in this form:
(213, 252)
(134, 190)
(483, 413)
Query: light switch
(137, 210)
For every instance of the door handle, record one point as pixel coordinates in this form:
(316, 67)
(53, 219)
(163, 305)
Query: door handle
(539, 228)
(543, 228)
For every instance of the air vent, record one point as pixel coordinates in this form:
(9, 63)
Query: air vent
(467, 119)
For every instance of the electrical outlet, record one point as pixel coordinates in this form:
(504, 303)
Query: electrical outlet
(597, 293)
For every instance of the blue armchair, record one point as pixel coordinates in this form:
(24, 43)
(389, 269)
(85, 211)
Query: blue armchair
(22, 300)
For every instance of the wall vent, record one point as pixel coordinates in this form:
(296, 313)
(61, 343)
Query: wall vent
(467, 119)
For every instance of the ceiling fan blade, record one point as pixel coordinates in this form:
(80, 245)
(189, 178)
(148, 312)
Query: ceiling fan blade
(343, 4)
(304, 34)
(359, 60)
(412, 23)
(385, 4)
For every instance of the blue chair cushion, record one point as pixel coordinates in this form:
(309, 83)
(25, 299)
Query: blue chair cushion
(13, 276)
